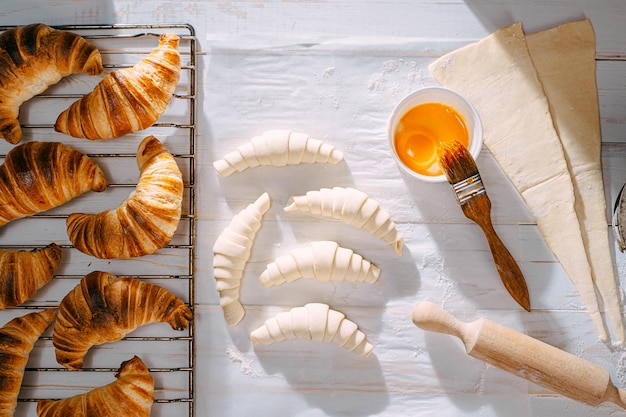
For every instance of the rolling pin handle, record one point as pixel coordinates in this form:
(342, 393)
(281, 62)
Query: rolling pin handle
(430, 316)
(615, 395)
(529, 358)
(621, 398)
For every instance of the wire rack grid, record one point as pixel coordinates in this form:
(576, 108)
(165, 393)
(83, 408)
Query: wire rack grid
(169, 354)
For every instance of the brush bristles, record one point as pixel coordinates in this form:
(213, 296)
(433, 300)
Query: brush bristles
(455, 161)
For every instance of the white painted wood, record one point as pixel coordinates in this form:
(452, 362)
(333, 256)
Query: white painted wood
(335, 70)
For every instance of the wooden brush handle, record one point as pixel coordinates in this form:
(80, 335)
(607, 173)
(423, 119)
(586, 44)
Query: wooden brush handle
(478, 209)
(524, 356)
(509, 271)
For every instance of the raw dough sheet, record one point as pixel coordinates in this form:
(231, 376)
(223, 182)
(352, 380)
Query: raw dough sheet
(538, 102)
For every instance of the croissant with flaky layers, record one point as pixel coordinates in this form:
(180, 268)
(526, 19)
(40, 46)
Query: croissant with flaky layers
(32, 58)
(18, 338)
(131, 394)
(23, 272)
(126, 100)
(146, 221)
(38, 176)
(104, 308)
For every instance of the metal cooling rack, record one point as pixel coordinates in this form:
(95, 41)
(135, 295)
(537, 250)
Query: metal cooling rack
(169, 354)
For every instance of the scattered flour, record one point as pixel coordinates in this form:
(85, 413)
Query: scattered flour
(332, 95)
(234, 355)
(397, 78)
(479, 387)
(443, 281)
(391, 65)
(620, 369)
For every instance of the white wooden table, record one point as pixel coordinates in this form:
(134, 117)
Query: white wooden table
(335, 70)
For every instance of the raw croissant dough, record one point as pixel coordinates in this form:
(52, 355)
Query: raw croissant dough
(353, 207)
(230, 254)
(575, 114)
(130, 395)
(324, 261)
(314, 321)
(497, 74)
(277, 148)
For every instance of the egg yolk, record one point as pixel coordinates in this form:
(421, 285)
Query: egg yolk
(421, 129)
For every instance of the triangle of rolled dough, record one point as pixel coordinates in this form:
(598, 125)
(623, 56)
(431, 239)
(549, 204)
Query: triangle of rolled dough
(535, 146)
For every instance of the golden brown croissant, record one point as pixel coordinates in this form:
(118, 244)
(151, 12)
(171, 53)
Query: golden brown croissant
(37, 176)
(126, 100)
(104, 308)
(32, 58)
(23, 272)
(18, 338)
(132, 394)
(145, 221)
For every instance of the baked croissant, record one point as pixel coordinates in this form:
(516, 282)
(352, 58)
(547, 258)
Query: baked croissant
(104, 308)
(18, 338)
(32, 58)
(126, 100)
(146, 221)
(37, 176)
(231, 251)
(277, 148)
(353, 207)
(314, 321)
(130, 395)
(23, 272)
(322, 260)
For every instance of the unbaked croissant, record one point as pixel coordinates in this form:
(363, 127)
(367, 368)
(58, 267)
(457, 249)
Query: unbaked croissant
(23, 272)
(32, 58)
(277, 148)
(314, 321)
(126, 100)
(18, 338)
(231, 251)
(322, 260)
(353, 207)
(104, 308)
(146, 221)
(130, 395)
(37, 176)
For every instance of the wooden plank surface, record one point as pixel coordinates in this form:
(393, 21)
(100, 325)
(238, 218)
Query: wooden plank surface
(335, 70)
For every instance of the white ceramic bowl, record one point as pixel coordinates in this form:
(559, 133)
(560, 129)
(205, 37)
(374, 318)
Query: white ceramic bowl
(436, 95)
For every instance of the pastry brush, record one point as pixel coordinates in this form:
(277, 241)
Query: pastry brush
(460, 169)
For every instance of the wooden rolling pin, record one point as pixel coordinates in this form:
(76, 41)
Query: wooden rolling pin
(524, 356)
